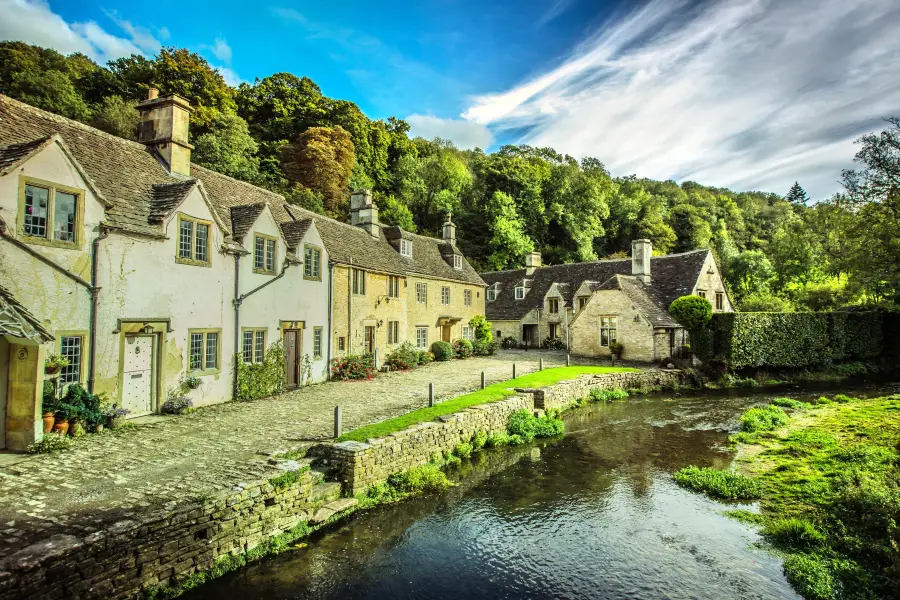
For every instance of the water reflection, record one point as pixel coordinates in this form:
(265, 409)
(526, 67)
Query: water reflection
(592, 515)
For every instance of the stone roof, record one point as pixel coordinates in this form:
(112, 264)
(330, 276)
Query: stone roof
(18, 322)
(166, 197)
(294, 231)
(639, 295)
(672, 276)
(132, 181)
(243, 218)
(12, 155)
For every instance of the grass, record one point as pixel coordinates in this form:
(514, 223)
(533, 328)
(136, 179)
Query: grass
(765, 418)
(719, 483)
(491, 393)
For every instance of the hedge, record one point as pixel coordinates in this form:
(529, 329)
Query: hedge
(741, 340)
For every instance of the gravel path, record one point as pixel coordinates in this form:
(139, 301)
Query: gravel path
(113, 475)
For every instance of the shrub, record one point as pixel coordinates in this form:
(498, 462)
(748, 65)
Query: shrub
(524, 424)
(51, 442)
(794, 533)
(353, 366)
(553, 343)
(484, 348)
(427, 478)
(616, 348)
(842, 399)
(765, 418)
(718, 483)
(691, 311)
(496, 440)
(464, 450)
(258, 380)
(482, 328)
(425, 357)
(479, 440)
(442, 351)
(765, 302)
(601, 395)
(810, 575)
(509, 343)
(788, 403)
(462, 348)
(403, 358)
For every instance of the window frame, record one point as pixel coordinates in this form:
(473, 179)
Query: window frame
(702, 294)
(491, 294)
(182, 260)
(82, 374)
(467, 297)
(52, 188)
(445, 295)
(583, 302)
(205, 331)
(423, 346)
(255, 356)
(317, 341)
(422, 293)
(264, 270)
(520, 288)
(553, 331)
(393, 286)
(342, 343)
(720, 301)
(393, 332)
(553, 306)
(312, 262)
(358, 281)
(457, 262)
(406, 248)
(468, 333)
(612, 329)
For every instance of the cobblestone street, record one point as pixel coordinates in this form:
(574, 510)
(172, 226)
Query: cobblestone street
(109, 476)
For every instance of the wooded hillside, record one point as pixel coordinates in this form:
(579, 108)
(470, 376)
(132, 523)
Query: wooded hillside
(282, 133)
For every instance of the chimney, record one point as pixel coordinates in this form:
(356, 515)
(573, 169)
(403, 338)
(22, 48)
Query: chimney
(164, 126)
(450, 229)
(532, 262)
(641, 251)
(364, 213)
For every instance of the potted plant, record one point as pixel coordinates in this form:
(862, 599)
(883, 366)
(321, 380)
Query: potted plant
(64, 414)
(54, 363)
(616, 349)
(115, 416)
(177, 404)
(94, 420)
(192, 382)
(48, 405)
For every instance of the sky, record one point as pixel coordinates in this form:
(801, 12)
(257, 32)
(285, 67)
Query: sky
(745, 94)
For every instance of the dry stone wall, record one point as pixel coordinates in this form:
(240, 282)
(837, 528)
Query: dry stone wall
(561, 395)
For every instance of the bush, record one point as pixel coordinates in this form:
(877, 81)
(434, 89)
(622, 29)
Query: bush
(462, 348)
(616, 348)
(425, 357)
(509, 343)
(484, 348)
(693, 312)
(353, 366)
(479, 440)
(794, 533)
(427, 478)
(553, 343)
(51, 442)
(403, 358)
(258, 380)
(482, 328)
(727, 485)
(765, 418)
(464, 450)
(765, 302)
(601, 395)
(442, 351)
(524, 424)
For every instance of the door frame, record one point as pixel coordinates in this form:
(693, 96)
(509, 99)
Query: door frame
(298, 356)
(367, 341)
(160, 329)
(154, 371)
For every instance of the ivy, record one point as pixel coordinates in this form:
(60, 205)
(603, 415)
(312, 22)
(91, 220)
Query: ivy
(258, 380)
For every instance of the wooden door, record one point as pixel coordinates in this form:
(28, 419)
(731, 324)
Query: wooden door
(370, 339)
(445, 333)
(137, 374)
(291, 357)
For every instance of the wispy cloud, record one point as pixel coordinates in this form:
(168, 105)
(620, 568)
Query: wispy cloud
(556, 9)
(221, 50)
(465, 134)
(142, 37)
(746, 94)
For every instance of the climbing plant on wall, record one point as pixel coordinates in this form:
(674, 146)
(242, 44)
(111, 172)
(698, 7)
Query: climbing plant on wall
(258, 380)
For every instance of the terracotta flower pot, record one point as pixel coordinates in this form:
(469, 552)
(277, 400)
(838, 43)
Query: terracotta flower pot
(49, 419)
(61, 426)
(51, 370)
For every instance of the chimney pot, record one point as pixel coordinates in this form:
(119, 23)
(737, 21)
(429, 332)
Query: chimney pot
(152, 93)
(364, 213)
(532, 262)
(641, 251)
(449, 230)
(164, 126)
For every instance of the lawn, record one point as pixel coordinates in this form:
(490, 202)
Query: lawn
(491, 393)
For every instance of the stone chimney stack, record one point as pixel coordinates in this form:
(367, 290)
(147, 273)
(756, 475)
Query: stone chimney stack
(450, 230)
(532, 262)
(164, 126)
(364, 213)
(641, 251)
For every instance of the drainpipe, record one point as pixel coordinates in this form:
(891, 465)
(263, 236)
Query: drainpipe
(330, 314)
(237, 323)
(567, 328)
(350, 308)
(95, 305)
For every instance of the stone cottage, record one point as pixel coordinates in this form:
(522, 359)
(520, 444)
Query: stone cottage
(588, 305)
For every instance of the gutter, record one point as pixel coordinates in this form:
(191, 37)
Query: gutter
(330, 315)
(95, 306)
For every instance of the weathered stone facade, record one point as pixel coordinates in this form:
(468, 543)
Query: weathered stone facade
(633, 329)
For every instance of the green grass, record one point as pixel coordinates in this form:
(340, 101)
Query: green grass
(492, 393)
(766, 418)
(719, 483)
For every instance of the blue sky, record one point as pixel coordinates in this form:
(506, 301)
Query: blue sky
(748, 94)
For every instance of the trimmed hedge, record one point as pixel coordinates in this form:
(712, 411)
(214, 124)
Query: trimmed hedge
(741, 340)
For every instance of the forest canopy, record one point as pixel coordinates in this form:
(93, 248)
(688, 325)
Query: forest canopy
(281, 132)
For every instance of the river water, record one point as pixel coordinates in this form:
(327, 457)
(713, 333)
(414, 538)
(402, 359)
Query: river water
(594, 514)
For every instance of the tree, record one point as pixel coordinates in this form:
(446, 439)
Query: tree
(393, 212)
(50, 90)
(692, 229)
(482, 329)
(750, 272)
(116, 116)
(321, 159)
(180, 71)
(509, 241)
(797, 195)
(764, 302)
(228, 148)
(879, 180)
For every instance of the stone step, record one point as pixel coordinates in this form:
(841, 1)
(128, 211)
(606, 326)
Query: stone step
(332, 508)
(318, 475)
(326, 492)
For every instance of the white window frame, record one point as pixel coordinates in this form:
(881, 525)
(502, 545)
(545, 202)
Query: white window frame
(405, 248)
(317, 343)
(457, 262)
(467, 297)
(520, 292)
(422, 338)
(491, 294)
(422, 293)
(467, 333)
(445, 295)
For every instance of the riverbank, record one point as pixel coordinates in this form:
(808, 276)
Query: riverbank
(826, 476)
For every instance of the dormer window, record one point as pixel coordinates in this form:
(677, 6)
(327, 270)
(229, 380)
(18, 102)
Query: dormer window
(264, 248)
(553, 305)
(520, 292)
(406, 248)
(457, 261)
(491, 293)
(193, 241)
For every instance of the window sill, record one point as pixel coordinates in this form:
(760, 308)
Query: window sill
(39, 241)
(312, 278)
(204, 373)
(192, 262)
(263, 271)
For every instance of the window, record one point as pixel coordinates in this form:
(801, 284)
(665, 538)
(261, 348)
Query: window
(582, 302)
(491, 294)
(193, 241)
(406, 248)
(342, 343)
(393, 283)
(457, 261)
(553, 305)
(359, 281)
(393, 332)
(50, 214)
(701, 293)
(607, 330)
(203, 350)
(422, 337)
(71, 348)
(445, 295)
(720, 301)
(264, 248)
(467, 297)
(422, 293)
(312, 263)
(520, 293)
(467, 333)
(253, 345)
(554, 331)
(317, 342)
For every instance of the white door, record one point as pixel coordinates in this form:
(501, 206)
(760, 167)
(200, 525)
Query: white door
(137, 387)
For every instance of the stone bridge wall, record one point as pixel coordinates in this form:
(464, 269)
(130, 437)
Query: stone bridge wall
(562, 394)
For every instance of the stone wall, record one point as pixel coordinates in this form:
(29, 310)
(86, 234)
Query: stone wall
(128, 556)
(360, 465)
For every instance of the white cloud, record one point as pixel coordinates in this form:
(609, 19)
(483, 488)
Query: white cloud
(746, 94)
(141, 36)
(221, 50)
(230, 77)
(465, 134)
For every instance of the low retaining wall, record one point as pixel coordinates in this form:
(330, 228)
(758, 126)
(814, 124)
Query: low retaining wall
(132, 555)
(360, 465)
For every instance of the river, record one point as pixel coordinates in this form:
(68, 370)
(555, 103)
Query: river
(594, 514)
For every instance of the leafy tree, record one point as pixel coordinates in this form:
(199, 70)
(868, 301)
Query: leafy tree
(321, 159)
(509, 241)
(482, 328)
(179, 71)
(693, 312)
(797, 195)
(305, 198)
(750, 272)
(764, 302)
(116, 116)
(393, 212)
(50, 90)
(228, 148)
(692, 229)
